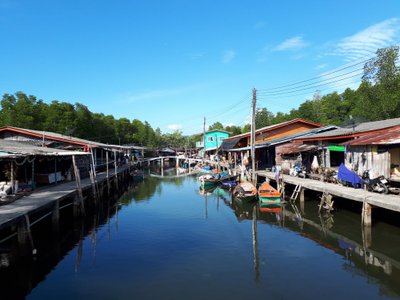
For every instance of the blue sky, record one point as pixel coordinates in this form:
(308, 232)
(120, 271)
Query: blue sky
(174, 62)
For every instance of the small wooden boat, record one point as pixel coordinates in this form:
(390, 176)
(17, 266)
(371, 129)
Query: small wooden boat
(268, 196)
(207, 181)
(229, 183)
(137, 175)
(245, 191)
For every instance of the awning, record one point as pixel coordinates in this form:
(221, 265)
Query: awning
(336, 148)
(229, 144)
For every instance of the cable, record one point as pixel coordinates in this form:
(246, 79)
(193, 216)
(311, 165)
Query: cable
(313, 78)
(327, 79)
(315, 86)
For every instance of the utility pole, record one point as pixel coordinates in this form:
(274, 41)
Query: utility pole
(204, 138)
(253, 136)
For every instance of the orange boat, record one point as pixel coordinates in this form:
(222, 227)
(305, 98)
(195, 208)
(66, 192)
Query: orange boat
(268, 196)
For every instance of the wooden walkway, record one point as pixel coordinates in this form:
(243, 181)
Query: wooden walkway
(45, 198)
(391, 202)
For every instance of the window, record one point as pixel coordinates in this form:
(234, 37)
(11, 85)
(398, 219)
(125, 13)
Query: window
(210, 139)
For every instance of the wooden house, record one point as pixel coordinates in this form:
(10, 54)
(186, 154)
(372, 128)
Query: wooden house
(239, 146)
(24, 166)
(377, 152)
(211, 141)
(101, 152)
(336, 146)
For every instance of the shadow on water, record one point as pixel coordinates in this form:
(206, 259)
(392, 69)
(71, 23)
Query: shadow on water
(21, 273)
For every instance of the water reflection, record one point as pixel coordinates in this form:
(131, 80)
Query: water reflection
(340, 233)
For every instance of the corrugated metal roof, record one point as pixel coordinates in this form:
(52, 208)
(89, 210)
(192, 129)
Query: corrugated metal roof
(291, 148)
(388, 137)
(271, 127)
(356, 129)
(10, 149)
(293, 136)
(66, 138)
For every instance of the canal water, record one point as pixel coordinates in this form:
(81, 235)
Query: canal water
(167, 239)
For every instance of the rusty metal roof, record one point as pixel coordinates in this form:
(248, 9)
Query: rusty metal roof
(294, 147)
(388, 137)
(356, 130)
(46, 135)
(13, 149)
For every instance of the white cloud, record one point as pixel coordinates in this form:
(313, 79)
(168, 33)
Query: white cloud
(294, 43)
(228, 56)
(174, 127)
(366, 42)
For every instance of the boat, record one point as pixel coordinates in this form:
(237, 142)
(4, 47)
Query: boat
(207, 181)
(268, 196)
(229, 183)
(137, 175)
(245, 191)
(227, 180)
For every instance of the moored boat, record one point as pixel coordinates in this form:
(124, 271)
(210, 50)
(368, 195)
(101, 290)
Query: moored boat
(268, 196)
(207, 181)
(137, 175)
(245, 191)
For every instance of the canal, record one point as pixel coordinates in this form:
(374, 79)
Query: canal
(166, 239)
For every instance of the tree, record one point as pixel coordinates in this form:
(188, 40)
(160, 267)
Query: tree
(246, 128)
(379, 91)
(216, 125)
(60, 117)
(263, 118)
(233, 129)
(383, 68)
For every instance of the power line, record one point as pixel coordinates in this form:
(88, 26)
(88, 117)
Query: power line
(311, 84)
(313, 87)
(313, 78)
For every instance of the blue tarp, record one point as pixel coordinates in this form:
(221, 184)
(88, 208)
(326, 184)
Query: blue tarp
(345, 174)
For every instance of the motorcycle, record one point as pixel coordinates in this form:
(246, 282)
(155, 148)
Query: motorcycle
(378, 184)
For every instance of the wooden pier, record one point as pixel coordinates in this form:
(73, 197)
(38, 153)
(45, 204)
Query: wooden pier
(48, 201)
(368, 199)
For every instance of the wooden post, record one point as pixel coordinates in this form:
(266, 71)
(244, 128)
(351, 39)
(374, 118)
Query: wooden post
(33, 175)
(302, 196)
(366, 214)
(253, 136)
(78, 185)
(55, 170)
(367, 236)
(302, 201)
(107, 174)
(22, 232)
(115, 169)
(12, 177)
(55, 216)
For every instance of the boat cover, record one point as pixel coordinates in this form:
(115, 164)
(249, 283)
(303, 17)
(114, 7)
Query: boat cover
(345, 174)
